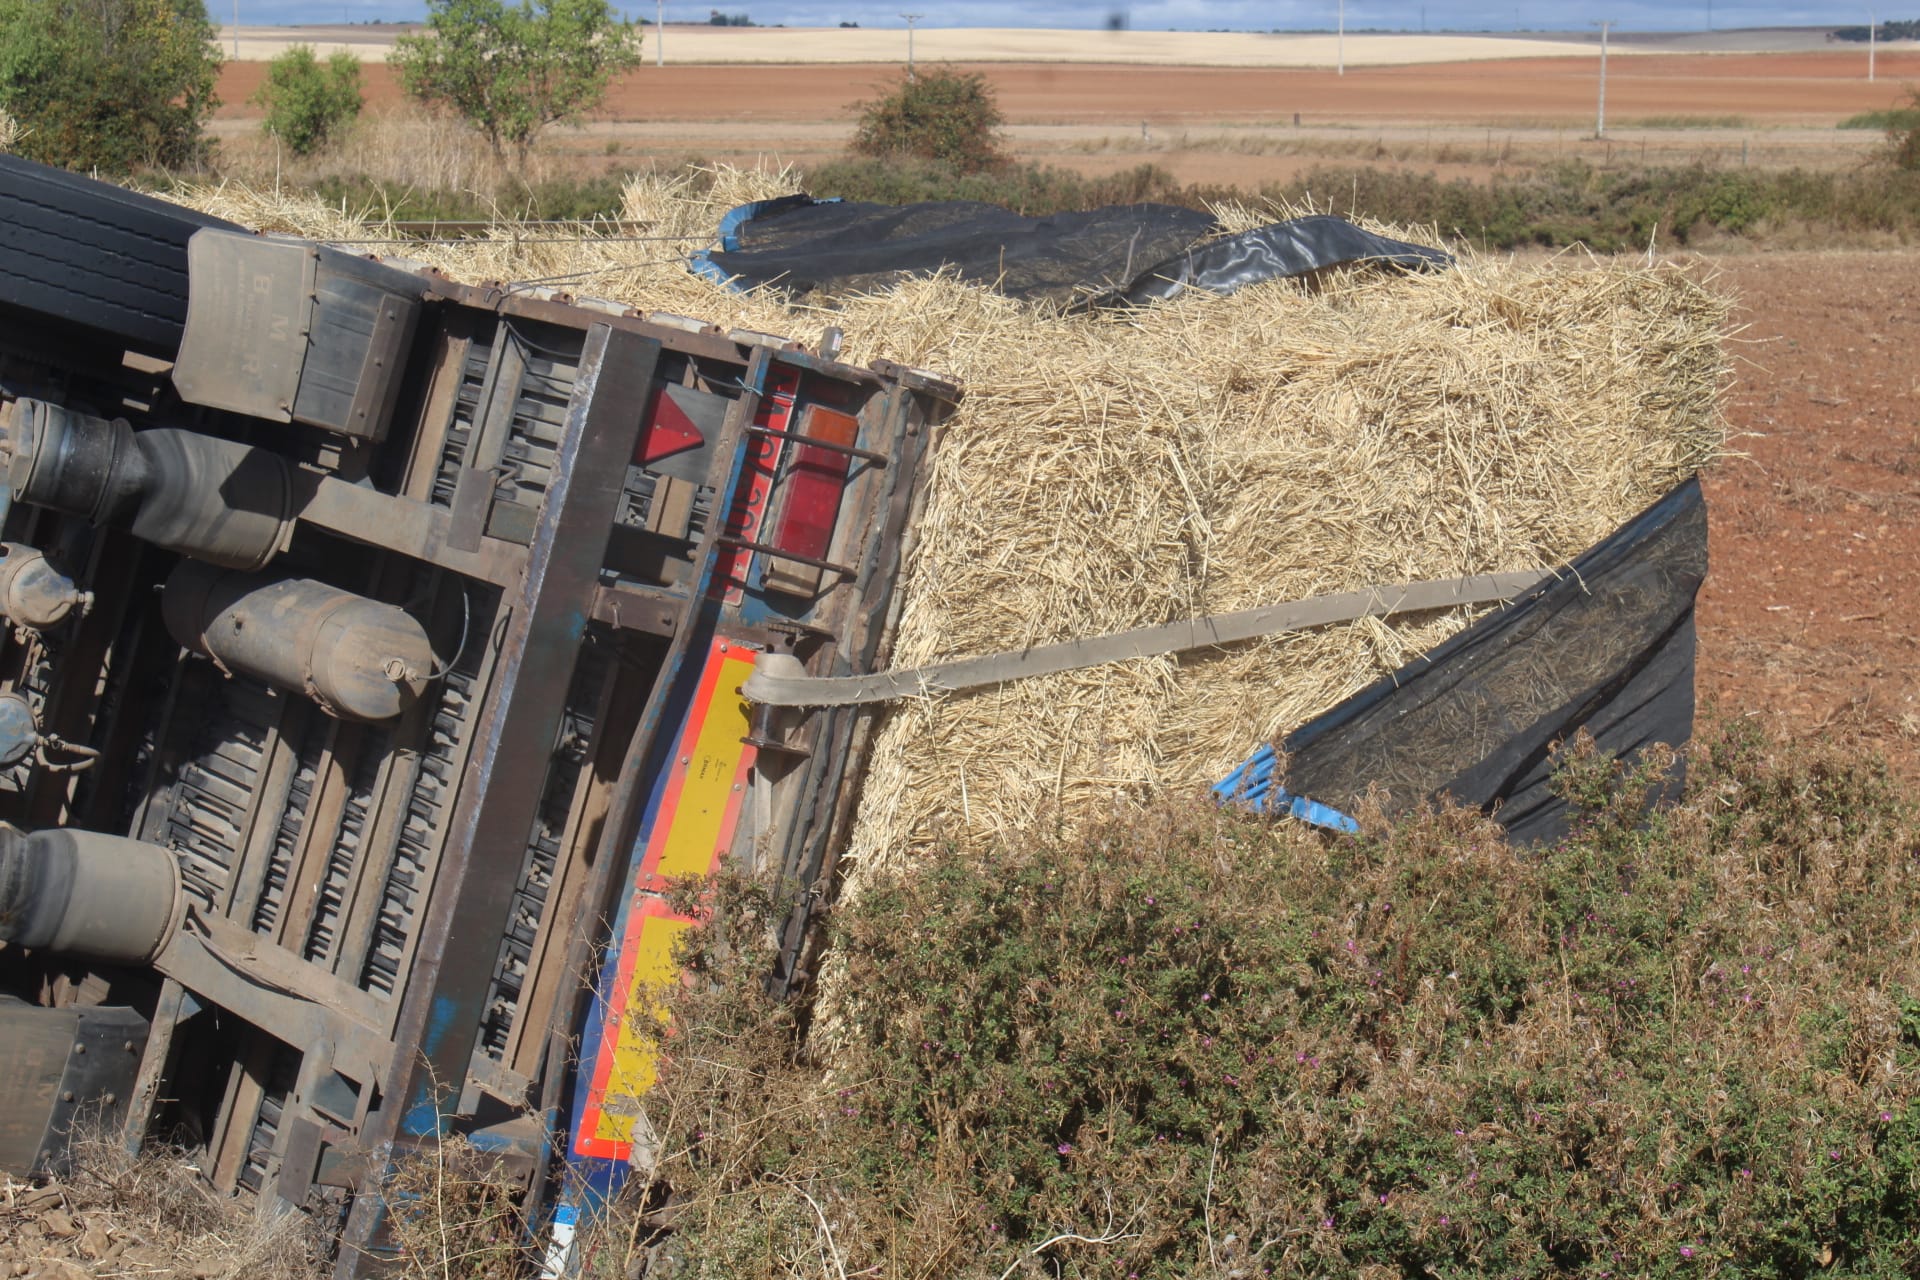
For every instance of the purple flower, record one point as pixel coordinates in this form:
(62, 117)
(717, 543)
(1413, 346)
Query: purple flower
(1065, 1148)
(1205, 996)
(1685, 1252)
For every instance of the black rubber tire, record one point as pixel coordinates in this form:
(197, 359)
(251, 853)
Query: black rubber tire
(95, 255)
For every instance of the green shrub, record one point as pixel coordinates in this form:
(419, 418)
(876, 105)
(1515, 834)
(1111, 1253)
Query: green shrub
(109, 85)
(1884, 118)
(940, 114)
(309, 102)
(1192, 1044)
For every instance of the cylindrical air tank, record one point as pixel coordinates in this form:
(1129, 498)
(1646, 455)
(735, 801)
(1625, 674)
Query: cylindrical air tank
(358, 658)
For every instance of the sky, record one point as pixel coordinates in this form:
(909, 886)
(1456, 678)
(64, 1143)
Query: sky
(1152, 15)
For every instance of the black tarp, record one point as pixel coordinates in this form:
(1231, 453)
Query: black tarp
(1608, 646)
(1297, 247)
(1122, 253)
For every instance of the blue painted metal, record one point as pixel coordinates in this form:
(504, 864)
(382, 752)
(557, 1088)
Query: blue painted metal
(1255, 786)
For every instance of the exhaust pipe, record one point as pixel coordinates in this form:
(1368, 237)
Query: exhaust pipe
(86, 893)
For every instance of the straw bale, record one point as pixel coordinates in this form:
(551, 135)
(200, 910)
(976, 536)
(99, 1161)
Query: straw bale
(1116, 470)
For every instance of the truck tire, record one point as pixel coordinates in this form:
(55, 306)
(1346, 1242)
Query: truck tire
(93, 255)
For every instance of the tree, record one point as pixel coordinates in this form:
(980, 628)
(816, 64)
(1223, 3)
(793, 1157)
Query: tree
(309, 102)
(513, 69)
(940, 114)
(113, 85)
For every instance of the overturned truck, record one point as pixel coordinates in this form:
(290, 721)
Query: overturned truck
(372, 664)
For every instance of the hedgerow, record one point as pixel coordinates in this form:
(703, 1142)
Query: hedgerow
(1194, 1044)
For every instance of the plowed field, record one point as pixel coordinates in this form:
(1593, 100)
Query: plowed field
(1808, 615)
(1772, 88)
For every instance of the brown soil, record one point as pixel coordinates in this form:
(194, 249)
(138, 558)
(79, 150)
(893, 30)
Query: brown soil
(1766, 88)
(1804, 618)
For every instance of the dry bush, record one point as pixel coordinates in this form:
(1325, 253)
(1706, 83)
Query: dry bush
(148, 1215)
(1194, 1045)
(403, 145)
(454, 1213)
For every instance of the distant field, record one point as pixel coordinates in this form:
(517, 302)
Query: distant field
(707, 44)
(1767, 89)
(1220, 124)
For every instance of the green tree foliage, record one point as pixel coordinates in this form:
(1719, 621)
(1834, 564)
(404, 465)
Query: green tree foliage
(1884, 32)
(309, 102)
(513, 69)
(112, 85)
(942, 114)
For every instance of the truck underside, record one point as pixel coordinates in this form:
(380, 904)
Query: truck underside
(372, 666)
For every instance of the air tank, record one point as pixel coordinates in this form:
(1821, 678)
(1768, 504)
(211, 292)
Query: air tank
(86, 893)
(33, 593)
(358, 658)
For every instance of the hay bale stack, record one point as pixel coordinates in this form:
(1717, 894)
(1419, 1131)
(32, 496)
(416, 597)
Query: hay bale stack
(1112, 471)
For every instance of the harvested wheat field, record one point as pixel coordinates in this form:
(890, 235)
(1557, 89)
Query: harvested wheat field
(1125, 469)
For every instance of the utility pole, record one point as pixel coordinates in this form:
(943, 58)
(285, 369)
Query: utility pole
(659, 33)
(236, 32)
(1600, 119)
(1340, 54)
(911, 19)
(1873, 36)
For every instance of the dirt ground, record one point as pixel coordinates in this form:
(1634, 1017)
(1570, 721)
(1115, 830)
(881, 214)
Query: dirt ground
(1241, 126)
(1804, 618)
(1770, 89)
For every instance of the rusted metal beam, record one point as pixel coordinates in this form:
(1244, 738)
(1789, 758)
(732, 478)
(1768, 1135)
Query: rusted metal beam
(500, 794)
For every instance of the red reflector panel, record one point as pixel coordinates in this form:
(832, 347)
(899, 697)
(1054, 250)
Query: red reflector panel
(670, 429)
(815, 480)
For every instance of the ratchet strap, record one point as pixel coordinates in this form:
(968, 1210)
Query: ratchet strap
(779, 679)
